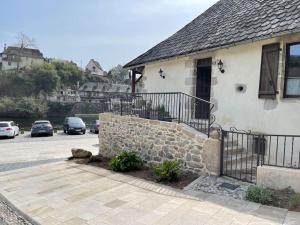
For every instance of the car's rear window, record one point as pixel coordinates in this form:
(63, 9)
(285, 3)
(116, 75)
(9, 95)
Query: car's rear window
(4, 125)
(37, 123)
(75, 120)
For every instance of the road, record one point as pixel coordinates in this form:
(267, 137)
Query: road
(24, 151)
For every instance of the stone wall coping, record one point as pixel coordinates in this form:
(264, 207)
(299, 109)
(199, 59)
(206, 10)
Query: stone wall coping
(172, 125)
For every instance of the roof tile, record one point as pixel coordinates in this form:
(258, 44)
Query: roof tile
(228, 22)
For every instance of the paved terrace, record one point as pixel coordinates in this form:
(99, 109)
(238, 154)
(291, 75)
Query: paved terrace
(71, 194)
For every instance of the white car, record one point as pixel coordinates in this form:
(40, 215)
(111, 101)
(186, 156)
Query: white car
(9, 129)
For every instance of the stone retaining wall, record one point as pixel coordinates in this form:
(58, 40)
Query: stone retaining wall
(157, 141)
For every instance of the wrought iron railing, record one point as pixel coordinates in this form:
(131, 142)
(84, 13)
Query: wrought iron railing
(171, 106)
(243, 151)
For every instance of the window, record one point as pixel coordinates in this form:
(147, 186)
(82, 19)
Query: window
(292, 76)
(269, 71)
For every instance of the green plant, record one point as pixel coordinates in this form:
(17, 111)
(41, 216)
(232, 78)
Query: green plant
(126, 161)
(168, 171)
(294, 201)
(259, 195)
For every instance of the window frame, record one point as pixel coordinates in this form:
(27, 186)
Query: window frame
(287, 61)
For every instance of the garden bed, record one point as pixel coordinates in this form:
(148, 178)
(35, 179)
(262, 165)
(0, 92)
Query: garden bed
(145, 173)
(287, 199)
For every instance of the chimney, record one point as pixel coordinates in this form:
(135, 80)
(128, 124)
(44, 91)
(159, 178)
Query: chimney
(4, 47)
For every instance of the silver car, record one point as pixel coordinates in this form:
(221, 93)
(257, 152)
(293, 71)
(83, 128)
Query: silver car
(9, 129)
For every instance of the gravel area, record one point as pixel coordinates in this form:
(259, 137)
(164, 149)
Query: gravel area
(212, 184)
(9, 216)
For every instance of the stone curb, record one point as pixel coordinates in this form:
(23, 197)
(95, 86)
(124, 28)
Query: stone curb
(18, 211)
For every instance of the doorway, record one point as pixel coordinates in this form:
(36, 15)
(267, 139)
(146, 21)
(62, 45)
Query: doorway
(203, 88)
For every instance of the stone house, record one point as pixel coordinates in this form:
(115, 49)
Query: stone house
(236, 67)
(241, 55)
(95, 68)
(95, 92)
(16, 58)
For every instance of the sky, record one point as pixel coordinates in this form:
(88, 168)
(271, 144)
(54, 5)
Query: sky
(109, 31)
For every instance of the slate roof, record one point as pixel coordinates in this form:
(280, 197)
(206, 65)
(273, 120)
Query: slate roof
(228, 22)
(25, 52)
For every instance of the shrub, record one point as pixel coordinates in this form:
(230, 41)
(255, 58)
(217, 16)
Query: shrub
(259, 195)
(294, 201)
(126, 161)
(168, 171)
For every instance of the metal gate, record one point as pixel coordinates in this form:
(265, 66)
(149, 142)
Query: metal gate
(241, 153)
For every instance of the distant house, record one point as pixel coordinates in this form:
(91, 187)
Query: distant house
(95, 68)
(16, 58)
(95, 91)
(67, 95)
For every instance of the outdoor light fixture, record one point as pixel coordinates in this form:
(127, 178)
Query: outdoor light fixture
(161, 74)
(220, 65)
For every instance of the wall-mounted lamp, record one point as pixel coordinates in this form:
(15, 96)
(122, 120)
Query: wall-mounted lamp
(221, 65)
(161, 74)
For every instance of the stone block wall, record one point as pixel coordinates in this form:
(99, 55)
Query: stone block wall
(157, 141)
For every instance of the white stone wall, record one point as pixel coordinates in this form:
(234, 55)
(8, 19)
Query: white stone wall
(25, 62)
(278, 178)
(232, 108)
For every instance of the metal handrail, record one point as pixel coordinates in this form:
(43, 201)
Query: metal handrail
(178, 106)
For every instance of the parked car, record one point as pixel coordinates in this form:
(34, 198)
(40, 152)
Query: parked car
(74, 125)
(9, 129)
(95, 127)
(41, 127)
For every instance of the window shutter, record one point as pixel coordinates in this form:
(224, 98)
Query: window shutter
(269, 71)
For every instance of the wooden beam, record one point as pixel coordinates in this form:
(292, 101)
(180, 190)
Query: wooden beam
(133, 82)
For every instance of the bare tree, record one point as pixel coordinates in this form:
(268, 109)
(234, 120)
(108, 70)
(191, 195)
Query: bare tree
(24, 41)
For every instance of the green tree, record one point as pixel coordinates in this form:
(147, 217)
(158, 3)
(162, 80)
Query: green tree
(69, 73)
(44, 78)
(118, 74)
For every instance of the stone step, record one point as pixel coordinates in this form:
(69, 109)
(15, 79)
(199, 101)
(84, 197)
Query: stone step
(239, 158)
(232, 150)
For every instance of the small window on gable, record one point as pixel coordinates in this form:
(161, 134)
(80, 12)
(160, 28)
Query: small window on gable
(292, 76)
(269, 71)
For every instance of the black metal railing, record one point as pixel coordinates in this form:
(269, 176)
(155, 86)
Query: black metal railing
(281, 150)
(243, 151)
(174, 106)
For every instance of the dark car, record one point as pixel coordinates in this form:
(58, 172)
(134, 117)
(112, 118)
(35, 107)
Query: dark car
(74, 125)
(95, 127)
(41, 127)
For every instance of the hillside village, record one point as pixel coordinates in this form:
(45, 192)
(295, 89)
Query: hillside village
(97, 80)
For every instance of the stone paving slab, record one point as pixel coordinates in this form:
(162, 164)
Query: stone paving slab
(68, 193)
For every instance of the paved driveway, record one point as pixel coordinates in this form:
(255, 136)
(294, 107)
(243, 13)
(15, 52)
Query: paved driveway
(26, 149)
(71, 194)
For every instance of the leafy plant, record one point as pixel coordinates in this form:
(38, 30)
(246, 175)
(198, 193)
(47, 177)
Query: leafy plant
(168, 171)
(294, 201)
(126, 161)
(259, 195)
